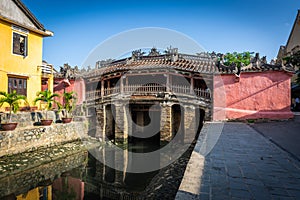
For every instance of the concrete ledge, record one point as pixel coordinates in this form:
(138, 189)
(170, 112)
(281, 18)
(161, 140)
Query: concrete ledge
(31, 138)
(191, 181)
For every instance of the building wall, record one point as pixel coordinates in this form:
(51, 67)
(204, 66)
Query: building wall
(77, 85)
(294, 38)
(255, 95)
(35, 194)
(69, 186)
(20, 65)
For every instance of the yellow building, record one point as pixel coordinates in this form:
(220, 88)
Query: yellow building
(292, 46)
(293, 42)
(44, 193)
(21, 43)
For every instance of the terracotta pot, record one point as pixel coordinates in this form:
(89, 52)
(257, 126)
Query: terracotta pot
(46, 122)
(8, 126)
(66, 120)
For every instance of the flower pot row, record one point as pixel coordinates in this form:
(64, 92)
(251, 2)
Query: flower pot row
(10, 126)
(48, 122)
(46, 97)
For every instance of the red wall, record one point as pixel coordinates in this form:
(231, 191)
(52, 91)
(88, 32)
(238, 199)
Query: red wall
(73, 185)
(77, 86)
(255, 95)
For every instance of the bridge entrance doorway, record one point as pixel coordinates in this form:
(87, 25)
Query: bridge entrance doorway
(146, 119)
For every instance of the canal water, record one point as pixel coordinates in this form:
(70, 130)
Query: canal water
(70, 172)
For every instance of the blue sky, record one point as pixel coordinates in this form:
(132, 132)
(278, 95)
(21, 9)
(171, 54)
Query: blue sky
(221, 26)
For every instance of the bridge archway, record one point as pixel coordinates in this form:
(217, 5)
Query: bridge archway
(145, 122)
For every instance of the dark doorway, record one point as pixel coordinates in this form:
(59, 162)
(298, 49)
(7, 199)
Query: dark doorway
(110, 122)
(178, 122)
(145, 136)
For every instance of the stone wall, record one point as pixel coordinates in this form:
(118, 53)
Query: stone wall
(24, 139)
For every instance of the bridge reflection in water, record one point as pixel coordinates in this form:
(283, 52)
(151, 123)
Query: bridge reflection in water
(75, 176)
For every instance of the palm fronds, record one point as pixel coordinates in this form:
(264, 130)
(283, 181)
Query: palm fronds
(46, 97)
(13, 100)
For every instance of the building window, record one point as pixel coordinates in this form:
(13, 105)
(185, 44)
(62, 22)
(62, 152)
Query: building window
(18, 84)
(19, 44)
(44, 84)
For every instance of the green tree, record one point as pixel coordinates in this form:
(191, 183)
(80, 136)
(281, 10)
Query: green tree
(13, 100)
(294, 59)
(48, 98)
(237, 58)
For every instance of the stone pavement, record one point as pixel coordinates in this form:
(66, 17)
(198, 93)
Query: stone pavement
(241, 165)
(286, 134)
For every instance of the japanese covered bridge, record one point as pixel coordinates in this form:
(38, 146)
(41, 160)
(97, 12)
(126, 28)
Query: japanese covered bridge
(177, 92)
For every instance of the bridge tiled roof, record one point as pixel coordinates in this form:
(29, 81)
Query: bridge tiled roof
(204, 63)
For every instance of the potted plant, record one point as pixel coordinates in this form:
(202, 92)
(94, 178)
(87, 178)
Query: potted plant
(68, 106)
(48, 98)
(13, 100)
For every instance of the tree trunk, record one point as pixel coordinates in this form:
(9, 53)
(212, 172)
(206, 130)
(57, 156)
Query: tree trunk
(10, 114)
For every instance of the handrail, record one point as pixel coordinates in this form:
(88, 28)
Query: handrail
(149, 89)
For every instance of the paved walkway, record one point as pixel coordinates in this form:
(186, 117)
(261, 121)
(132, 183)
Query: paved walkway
(242, 165)
(286, 134)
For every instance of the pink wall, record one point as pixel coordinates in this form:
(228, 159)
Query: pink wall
(255, 95)
(73, 185)
(77, 86)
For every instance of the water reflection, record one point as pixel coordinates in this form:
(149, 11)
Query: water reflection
(75, 176)
(40, 180)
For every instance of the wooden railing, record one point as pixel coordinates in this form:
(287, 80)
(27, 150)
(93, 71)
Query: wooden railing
(92, 95)
(149, 89)
(180, 89)
(202, 93)
(144, 89)
(109, 91)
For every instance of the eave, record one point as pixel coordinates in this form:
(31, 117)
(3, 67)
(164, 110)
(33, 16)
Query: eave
(45, 33)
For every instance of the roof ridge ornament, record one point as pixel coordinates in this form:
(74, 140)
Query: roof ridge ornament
(154, 52)
(172, 54)
(137, 54)
(103, 63)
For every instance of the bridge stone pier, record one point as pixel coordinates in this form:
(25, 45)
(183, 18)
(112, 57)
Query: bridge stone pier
(123, 123)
